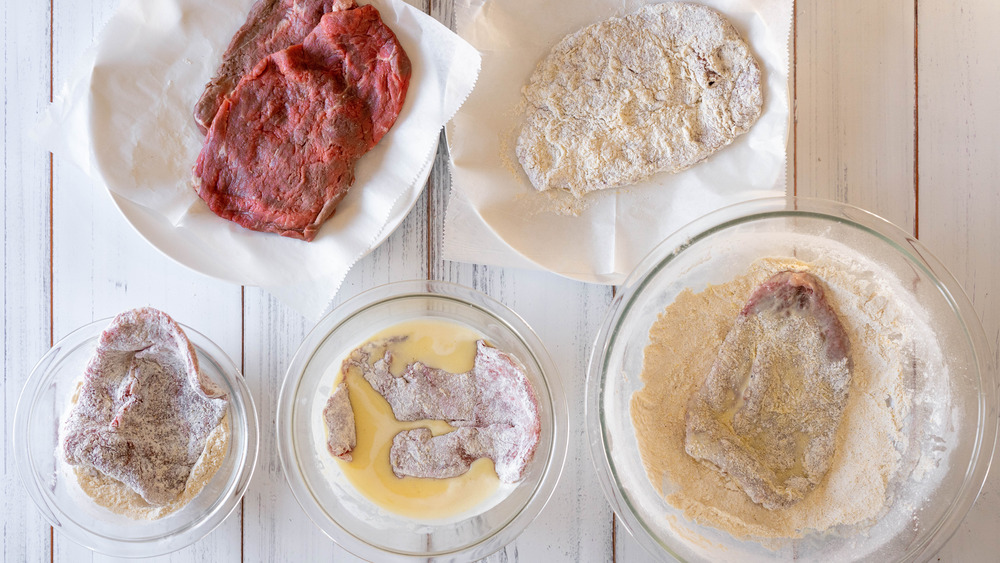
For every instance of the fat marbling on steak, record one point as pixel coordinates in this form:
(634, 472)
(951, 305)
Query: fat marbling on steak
(768, 412)
(144, 409)
(281, 151)
(271, 26)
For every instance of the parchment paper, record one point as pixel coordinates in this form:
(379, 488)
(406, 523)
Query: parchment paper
(494, 214)
(126, 118)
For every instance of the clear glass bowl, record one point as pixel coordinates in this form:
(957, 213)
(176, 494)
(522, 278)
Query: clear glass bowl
(331, 502)
(44, 401)
(718, 248)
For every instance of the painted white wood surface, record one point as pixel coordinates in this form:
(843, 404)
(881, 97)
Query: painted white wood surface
(959, 189)
(26, 271)
(894, 112)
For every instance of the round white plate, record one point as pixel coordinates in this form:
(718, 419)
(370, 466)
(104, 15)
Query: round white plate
(188, 251)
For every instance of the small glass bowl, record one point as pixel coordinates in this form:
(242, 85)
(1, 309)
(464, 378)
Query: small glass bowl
(330, 500)
(720, 247)
(46, 399)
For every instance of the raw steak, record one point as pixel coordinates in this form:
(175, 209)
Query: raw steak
(493, 405)
(339, 419)
(767, 415)
(280, 154)
(144, 409)
(366, 53)
(272, 25)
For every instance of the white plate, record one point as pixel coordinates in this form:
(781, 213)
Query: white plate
(180, 247)
(125, 118)
(618, 227)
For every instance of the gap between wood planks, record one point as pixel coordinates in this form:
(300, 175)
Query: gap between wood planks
(795, 105)
(52, 533)
(794, 144)
(916, 110)
(916, 120)
(243, 360)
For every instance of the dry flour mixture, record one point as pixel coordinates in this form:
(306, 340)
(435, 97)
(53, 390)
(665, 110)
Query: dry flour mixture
(873, 453)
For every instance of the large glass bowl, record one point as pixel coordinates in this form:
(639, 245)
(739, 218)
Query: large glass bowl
(45, 400)
(353, 521)
(718, 248)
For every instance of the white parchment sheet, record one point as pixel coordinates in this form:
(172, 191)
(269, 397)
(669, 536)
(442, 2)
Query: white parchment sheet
(496, 217)
(126, 119)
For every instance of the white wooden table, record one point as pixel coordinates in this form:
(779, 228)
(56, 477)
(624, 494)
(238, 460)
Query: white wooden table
(895, 111)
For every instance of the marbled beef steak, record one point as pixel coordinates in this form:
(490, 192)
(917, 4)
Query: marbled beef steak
(281, 151)
(272, 25)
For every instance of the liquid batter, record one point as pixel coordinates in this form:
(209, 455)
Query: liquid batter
(438, 344)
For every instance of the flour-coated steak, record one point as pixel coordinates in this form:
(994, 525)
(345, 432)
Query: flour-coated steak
(144, 410)
(657, 90)
(768, 412)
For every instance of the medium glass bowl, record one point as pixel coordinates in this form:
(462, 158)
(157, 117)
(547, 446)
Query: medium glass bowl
(46, 399)
(330, 500)
(720, 247)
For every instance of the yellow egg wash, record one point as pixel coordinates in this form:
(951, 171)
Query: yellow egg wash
(439, 344)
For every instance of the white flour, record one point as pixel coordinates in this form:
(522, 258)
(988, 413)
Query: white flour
(121, 499)
(897, 368)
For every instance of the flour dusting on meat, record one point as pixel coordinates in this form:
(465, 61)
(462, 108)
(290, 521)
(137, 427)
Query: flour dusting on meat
(339, 419)
(769, 410)
(144, 410)
(657, 90)
(493, 405)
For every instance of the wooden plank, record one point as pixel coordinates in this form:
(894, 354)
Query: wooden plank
(276, 527)
(566, 315)
(853, 131)
(959, 197)
(854, 105)
(101, 267)
(24, 288)
(576, 523)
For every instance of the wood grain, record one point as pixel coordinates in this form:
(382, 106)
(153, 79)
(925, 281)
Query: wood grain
(566, 315)
(279, 529)
(26, 273)
(894, 112)
(959, 77)
(853, 109)
(100, 267)
(854, 105)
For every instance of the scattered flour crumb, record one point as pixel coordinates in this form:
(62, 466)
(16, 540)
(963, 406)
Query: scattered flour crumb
(121, 499)
(871, 440)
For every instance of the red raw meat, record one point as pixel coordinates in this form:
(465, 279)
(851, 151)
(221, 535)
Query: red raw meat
(272, 25)
(280, 154)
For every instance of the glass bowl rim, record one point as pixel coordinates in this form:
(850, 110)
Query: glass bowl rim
(186, 535)
(433, 289)
(793, 206)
